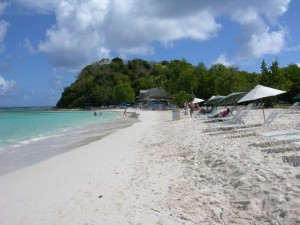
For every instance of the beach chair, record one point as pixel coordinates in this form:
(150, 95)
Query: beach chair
(285, 137)
(241, 129)
(270, 119)
(227, 117)
(293, 109)
(297, 143)
(249, 106)
(295, 130)
(257, 106)
(236, 120)
(279, 137)
(213, 112)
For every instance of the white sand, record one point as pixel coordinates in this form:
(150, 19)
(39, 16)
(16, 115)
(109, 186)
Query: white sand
(160, 171)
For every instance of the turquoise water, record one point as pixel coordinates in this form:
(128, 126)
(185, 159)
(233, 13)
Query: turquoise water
(25, 125)
(30, 135)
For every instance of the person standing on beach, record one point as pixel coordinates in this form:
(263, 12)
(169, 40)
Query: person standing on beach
(186, 106)
(191, 108)
(125, 109)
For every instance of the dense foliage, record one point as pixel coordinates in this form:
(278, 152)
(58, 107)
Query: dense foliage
(114, 81)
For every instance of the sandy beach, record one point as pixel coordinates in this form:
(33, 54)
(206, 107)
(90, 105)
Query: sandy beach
(160, 171)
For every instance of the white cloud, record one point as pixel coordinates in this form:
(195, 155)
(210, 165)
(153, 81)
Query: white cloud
(266, 43)
(3, 30)
(104, 53)
(84, 28)
(28, 46)
(6, 85)
(3, 25)
(223, 60)
(3, 6)
(260, 33)
(76, 39)
(44, 6)
(293, 48)
(56, 80)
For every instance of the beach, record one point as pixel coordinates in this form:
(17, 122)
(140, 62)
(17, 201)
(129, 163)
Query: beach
(161, 171)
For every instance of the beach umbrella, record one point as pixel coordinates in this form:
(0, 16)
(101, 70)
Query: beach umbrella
(198, 100)
(211, 98)
(297, 97)
(260, 92)
(231, 99)
(214, 99)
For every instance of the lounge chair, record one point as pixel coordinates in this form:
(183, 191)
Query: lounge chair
(286, 138)
(233, 118)
(297, 143)
(258, 106)
(236, 120)
(278, 139)
(239, 128)
(293, 109)
(295, 130)
(227, 117)
(206, 116)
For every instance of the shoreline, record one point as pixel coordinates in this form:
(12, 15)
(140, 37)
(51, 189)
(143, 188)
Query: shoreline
(14, 158)
(159, 171)
(46, 192)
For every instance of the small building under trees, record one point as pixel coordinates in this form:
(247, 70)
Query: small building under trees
(154, 98)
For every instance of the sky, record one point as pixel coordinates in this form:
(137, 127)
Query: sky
(44, 44)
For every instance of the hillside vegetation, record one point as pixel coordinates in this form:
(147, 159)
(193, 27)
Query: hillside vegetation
(114, 81)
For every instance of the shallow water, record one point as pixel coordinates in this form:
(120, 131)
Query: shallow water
(29, 135)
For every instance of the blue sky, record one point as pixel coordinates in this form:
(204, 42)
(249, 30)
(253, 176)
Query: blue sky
(45, 44)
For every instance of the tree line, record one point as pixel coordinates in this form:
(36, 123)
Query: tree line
(114, 81)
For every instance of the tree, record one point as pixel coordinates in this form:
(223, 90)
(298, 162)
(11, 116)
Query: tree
(181, 97)
(117, 64)
(279, 81)
(292, 75)
(201, 89)
(143, 83)
(181, 77)
(265, 74)
(123, 92)
(113, 80)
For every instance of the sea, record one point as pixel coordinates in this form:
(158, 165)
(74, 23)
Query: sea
(31, 134)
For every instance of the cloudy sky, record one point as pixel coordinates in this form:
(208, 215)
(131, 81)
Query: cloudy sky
(44, 44)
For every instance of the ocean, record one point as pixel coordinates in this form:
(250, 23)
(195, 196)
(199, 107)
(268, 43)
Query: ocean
(29, 135)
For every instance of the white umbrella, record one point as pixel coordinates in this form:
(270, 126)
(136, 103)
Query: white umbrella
(198, 100)
(260, 92)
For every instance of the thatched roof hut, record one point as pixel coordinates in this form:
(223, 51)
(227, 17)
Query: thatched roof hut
(153, 94)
